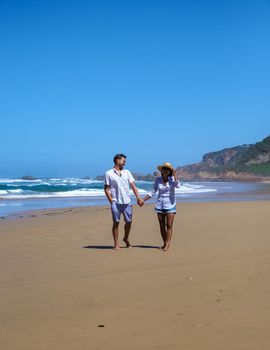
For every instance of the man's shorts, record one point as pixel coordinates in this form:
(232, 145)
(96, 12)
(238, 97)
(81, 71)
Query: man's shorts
(125, 209)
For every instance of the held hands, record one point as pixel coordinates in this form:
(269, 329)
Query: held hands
(140, 202)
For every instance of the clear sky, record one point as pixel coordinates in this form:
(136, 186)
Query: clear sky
(156, 80)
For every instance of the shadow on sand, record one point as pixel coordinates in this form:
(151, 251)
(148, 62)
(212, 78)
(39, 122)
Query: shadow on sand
(146, 246)
(111, 247)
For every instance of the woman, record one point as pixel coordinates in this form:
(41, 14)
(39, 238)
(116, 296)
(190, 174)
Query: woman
(166, 204)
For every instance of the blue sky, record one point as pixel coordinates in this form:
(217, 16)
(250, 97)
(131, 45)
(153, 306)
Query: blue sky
(156, 80)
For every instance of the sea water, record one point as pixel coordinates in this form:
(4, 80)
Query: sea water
(17, 195)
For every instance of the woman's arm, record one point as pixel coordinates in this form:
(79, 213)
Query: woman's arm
(176, 180)
(146, 198)
(152, 193)
(174, 175)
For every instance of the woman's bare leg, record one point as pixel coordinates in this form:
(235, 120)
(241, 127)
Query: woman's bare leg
(162, 226)
(169, 226)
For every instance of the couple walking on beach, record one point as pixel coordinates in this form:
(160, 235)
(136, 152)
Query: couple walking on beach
(117, 189)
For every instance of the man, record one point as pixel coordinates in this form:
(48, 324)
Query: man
(117, 184)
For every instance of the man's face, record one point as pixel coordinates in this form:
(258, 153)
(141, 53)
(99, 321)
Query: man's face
(121, 162)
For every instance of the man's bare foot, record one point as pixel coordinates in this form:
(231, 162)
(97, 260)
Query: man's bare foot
(128, 245)
(117, 247)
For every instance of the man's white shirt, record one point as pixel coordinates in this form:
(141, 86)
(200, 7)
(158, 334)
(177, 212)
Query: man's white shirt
(119, 184)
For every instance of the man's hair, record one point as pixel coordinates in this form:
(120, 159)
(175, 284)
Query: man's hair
(118, 156)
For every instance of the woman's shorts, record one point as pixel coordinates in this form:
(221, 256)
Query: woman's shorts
(118, 209)
(166, 211)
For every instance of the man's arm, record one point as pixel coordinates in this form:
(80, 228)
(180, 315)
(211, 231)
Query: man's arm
(108, 193)
(107, 187)
(136, 193)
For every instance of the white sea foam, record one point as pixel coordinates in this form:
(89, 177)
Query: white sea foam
(8, 181)
(191, 188)
(3, 192)
(62, 180)
(70, 180)
(18, 193)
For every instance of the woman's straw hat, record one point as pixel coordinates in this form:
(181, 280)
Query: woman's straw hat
(165, 165)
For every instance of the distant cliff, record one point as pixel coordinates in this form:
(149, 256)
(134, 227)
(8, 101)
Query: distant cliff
(240, 163)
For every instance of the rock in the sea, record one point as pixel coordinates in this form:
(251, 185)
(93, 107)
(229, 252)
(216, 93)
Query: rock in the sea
(29, 177)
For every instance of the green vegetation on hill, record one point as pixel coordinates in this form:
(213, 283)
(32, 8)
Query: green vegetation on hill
(240, 162)
(259, 169)
(254, 151)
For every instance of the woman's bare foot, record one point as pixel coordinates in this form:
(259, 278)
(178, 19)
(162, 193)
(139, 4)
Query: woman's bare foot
(128, 245)
(117, 247)
(166, 247)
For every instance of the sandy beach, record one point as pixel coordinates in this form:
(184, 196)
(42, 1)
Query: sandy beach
(63, 287)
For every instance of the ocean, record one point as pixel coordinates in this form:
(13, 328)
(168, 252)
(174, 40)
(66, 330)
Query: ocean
(17, 195)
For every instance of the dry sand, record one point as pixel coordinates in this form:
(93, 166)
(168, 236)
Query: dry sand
(63, 287)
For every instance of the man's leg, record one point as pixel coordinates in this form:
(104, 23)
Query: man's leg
(127, 212)
(127, 230)
(115, 232)
(115, 228)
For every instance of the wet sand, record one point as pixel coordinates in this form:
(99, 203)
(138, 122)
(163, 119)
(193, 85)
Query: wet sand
(63, 287)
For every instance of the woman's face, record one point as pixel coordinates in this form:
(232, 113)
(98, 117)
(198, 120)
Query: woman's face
(166, 172)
